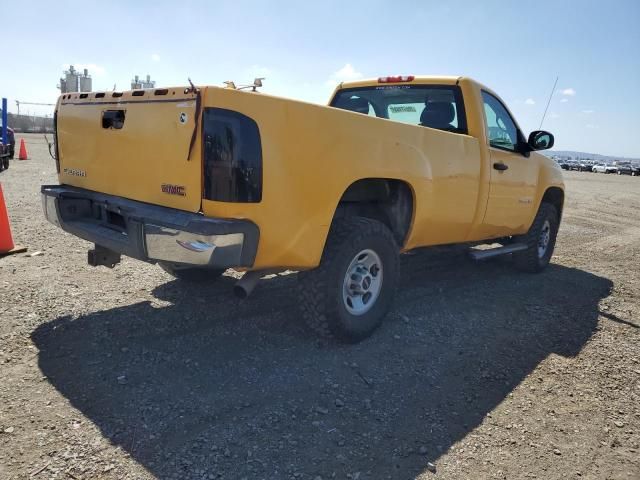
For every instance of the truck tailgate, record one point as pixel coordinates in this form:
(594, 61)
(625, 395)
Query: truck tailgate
(132, 144)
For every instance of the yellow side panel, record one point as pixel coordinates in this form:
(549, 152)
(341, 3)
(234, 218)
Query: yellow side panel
(312, 154)
(512, 193)
(508, 200)
(135, 161)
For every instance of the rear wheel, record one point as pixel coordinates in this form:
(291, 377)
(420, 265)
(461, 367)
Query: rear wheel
(349, 294)
(191, 274)
(540, 239)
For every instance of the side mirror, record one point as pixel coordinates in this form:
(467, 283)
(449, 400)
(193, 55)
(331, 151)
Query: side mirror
(540, 140)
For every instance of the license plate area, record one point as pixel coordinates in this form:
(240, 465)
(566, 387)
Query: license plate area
(84, 210)
(116, 221)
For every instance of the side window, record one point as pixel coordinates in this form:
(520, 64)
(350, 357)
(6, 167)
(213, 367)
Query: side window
(502, 130)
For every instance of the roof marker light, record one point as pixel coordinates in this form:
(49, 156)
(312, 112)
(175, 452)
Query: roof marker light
(396, 79)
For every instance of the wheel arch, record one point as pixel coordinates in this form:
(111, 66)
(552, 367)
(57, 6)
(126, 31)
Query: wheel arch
(554, 196)
(388, 200)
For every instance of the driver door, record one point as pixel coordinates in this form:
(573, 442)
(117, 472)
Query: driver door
(513, 176)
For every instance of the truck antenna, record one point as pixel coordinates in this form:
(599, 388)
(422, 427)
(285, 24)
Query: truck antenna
(548, 102)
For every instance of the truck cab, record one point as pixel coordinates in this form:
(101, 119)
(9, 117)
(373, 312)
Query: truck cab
(503, 196)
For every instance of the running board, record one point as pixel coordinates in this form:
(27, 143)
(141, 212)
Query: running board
(494, 252)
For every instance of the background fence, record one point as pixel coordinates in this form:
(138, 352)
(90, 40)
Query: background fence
(31, 123)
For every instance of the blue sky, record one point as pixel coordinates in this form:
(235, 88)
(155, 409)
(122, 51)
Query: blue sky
(302, 48)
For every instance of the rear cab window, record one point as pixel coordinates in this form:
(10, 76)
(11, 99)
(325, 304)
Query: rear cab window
(434, 106)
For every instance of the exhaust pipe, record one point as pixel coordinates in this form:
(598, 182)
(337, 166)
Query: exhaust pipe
(243, 287)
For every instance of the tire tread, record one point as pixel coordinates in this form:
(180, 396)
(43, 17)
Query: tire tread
(528, 260)
(313, 284)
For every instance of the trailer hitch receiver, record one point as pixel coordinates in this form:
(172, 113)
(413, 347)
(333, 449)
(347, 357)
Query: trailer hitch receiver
(103, 256)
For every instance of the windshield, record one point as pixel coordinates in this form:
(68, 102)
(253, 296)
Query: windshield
(433, 106)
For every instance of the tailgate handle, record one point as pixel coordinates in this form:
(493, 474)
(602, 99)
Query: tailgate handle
(113, 119)
(500, 166)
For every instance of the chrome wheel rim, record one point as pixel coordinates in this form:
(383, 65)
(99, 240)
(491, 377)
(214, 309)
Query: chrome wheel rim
(362, 282)
(544, 238)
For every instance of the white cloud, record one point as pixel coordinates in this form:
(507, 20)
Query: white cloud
(94, 70)
(564, 100)
(591, 126)
(587, 111)
(569, 92)
(529, 101)
(155, 57)
(554, 115)
(259, 71)
(345, 74)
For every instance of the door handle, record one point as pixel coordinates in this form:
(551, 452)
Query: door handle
(500, 166)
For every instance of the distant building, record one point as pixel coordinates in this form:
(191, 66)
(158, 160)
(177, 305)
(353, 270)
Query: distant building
(74, 81)
(85, 81)
(137, 83)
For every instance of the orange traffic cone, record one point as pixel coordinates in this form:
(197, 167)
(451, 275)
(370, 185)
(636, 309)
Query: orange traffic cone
(6, 241)
(23, 151)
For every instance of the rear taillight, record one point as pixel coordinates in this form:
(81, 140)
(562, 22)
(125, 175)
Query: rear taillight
(396, 79)
(232, 157)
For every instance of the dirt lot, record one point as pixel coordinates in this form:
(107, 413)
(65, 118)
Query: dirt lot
(479, 372)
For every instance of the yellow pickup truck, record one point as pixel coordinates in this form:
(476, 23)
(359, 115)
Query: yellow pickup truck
(200, 179)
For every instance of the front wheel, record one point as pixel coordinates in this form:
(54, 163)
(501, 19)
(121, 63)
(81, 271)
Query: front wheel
(540, 239)
(191, 274)
(348, 295)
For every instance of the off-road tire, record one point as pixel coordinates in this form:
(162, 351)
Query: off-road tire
(321, 289)
(191, 274)
(529, 260)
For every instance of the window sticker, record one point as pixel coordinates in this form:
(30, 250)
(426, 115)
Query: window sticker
(402, 109)
(394, 87)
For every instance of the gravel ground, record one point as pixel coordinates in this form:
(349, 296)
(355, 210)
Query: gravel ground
(479, 372)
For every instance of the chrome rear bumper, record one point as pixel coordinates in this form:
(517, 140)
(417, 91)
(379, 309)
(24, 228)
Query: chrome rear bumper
(150, 232)
(178, 246)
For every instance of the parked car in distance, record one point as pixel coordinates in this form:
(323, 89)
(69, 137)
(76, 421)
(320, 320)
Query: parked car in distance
(7, 151)
(585, 166)
(11, 141)
(4, 157)
(580, 166)
(603, 168)
(574, 166)
(628, 169)
(564, 165)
